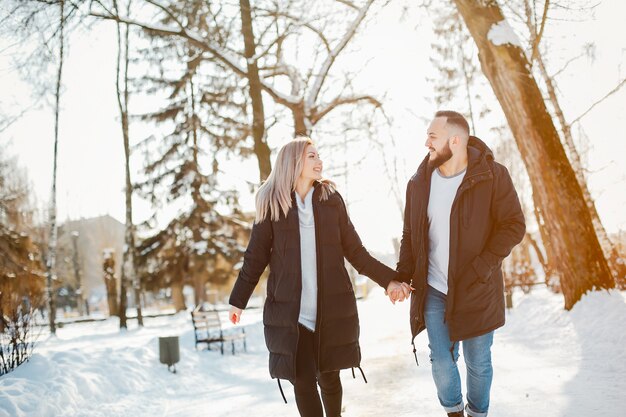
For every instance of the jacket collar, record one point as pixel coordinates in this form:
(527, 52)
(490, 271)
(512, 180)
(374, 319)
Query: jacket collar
(478, 157)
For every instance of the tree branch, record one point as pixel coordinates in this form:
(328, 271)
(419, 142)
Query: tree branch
(219, 53)
(319, 81)
(339, 101)
(607, 95)
(7, 121)
(564, 67)
(299, 22)
(167, 12)
(537, 39)
(279, 38)
(348, 3)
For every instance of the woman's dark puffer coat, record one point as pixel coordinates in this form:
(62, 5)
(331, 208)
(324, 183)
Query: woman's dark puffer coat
(337, 326)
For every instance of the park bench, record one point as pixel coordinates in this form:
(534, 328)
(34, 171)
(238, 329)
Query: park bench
(207, 329)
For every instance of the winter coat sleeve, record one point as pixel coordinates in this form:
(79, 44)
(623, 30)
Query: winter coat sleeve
(358, 256)
(255, 260)
(509, 225)
(406, 262)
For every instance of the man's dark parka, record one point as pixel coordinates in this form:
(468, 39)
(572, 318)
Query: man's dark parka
(486, 222)
(277, 243)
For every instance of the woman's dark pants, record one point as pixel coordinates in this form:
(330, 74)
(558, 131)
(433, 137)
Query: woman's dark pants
(307, 379)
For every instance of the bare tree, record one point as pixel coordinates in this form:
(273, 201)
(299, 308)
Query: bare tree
(254, 85)
(308, 99)
(536, 29)
(52, 242)
(565, 223)
(44, 24)
(129, 274)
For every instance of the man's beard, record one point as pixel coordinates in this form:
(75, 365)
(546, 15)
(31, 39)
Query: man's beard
(441, 156)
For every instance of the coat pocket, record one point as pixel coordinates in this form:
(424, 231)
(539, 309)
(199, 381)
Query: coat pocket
(473, 293)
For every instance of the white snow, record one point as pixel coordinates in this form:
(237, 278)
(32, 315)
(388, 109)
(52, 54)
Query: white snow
(548, 363)
(201, 247)
(502, 33)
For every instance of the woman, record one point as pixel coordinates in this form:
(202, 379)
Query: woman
(302, 230)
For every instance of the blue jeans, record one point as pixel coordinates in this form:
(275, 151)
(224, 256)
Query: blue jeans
(444, 355)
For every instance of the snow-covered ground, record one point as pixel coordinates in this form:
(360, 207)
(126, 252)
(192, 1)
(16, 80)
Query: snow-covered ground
(548, 363)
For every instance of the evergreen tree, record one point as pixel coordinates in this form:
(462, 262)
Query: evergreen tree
(205, 114)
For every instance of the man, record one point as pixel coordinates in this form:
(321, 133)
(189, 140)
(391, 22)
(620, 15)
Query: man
(462, 218)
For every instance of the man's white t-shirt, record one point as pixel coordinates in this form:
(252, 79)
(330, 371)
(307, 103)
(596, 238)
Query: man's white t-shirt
(442, 193)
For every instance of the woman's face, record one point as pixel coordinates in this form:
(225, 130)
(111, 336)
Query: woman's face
(312, 167)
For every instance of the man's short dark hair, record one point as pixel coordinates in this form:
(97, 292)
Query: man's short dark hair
(455, 119)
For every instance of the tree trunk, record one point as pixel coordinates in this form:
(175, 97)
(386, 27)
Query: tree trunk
(52, 241)
(80, 299)
(566, 226)
(261, 149)
(618, 268)
(177, 296)
(111, 287)
(199, 288)
(299, 121)
(195, 261)
(129, 274)
(110, 283)
(540, 257)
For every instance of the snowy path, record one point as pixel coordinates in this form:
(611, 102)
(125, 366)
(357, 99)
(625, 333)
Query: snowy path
(547, 363)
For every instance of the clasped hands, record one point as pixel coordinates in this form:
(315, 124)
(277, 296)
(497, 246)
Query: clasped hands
(398, 291)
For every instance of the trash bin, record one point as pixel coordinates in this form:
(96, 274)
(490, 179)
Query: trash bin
(169, 352)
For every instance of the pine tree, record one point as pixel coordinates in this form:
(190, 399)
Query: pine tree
(204, 109)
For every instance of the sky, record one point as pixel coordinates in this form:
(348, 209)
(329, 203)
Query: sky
(391, 56)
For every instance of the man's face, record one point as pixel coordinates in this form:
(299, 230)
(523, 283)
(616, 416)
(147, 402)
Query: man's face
(438, 142)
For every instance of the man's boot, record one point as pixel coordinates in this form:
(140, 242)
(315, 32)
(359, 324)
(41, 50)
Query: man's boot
(456, 414)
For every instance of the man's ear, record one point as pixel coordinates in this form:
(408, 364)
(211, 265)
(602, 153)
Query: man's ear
(455, 140)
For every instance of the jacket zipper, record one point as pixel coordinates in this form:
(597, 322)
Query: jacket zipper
(295, 356)
(318, 321)
(423, 223)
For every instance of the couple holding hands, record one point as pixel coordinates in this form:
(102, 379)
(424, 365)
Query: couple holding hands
(462, 218)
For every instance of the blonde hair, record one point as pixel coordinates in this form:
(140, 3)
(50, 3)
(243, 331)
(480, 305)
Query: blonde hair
(274, 195)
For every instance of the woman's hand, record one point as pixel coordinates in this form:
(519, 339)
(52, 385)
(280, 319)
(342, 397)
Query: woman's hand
(234, 314)
(398, 291)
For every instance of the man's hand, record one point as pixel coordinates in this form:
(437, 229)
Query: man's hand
(398, 291)
(234, 315)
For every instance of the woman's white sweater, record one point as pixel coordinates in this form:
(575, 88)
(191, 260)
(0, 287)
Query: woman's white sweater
(308, 263)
